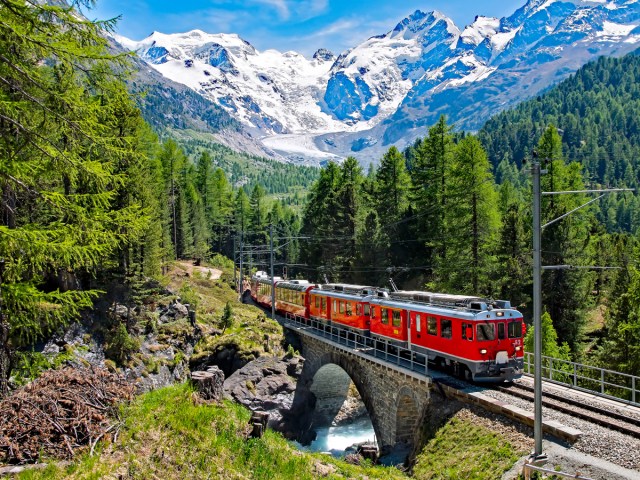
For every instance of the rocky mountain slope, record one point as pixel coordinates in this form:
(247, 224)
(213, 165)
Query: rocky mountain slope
(390, 88)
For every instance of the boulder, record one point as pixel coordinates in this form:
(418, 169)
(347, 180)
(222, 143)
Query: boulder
(267, 384)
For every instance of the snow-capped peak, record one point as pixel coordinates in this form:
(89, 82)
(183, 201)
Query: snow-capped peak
(481, 28)
(416, 24)
(395, 83)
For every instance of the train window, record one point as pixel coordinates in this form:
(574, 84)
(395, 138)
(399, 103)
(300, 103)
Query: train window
(367, 310)
(515, 329)
(323, 302)
(341, 307)
(349, 308)
(501, 331)
(432, 326)
(467, 331)
(485, 332)
(358, 309)
(317, 301)
(418, 323)
(395, 316)
(334, 307)
(445, 328)
(384, 316)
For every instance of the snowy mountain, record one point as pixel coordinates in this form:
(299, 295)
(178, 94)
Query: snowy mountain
(392, 87)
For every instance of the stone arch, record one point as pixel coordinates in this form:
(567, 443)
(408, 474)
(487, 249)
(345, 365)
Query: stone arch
(394, 400)
(407, 415)
(356, 373)
(330, 387)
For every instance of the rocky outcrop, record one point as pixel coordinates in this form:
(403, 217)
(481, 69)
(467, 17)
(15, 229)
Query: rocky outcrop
(269, 384)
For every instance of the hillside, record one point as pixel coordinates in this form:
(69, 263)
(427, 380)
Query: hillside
(596, 111)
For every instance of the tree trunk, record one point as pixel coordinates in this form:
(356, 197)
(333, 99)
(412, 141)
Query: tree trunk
(5, 357)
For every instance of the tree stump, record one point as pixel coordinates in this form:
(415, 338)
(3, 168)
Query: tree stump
(369, 451)
(259, 421)
(209, 383)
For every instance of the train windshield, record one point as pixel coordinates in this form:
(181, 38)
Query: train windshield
(515, 329)
(485, 331)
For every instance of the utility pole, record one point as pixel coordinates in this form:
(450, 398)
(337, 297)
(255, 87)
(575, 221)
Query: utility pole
(235, 277)
(536, 171)
(273, 282)
(537, 307)
(241, 255)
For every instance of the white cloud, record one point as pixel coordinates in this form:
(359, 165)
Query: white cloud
(279, 5)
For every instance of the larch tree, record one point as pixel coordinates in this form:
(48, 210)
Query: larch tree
(391, 197)
(565, 292)
(62, 168)
(431, 162)
(471, 223)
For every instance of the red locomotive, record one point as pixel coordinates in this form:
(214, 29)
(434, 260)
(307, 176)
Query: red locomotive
(476, 338)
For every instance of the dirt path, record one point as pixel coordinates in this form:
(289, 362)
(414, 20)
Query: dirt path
(190, 268)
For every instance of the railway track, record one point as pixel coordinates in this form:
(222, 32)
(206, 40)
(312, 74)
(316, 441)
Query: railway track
(591, 413)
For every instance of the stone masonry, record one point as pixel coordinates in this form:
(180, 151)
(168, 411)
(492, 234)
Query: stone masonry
(396, 401)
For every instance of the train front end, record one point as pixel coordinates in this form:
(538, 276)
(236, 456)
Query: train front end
(495, 344)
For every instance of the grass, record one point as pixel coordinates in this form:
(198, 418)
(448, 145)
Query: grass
(169, 434)
(464, 450)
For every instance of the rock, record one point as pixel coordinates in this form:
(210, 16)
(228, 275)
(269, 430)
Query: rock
(178, 311)
(121, 311)
(266, 384)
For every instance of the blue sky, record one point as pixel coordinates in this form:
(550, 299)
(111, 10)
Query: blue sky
(301, 25)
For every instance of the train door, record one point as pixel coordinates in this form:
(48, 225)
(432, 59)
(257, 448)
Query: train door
(407, 315)
(417, 328)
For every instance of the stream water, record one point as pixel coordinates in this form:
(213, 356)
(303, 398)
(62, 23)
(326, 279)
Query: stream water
(336, 440)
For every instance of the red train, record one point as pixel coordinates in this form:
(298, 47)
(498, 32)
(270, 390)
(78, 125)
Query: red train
(475, 337)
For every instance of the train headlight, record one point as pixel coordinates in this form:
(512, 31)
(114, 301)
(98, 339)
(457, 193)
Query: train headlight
(518, 349)
(483, 351)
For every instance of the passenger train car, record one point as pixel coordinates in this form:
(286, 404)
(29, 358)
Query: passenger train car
(475, 337)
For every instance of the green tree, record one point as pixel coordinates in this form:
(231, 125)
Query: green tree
(620, 350)
(550, 346)
(63, 168)
(391, 200)
(471, 223)
(566, 242)
(227, 318)
(430, 168)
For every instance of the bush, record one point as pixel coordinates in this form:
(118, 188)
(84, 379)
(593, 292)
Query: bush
(226, 321)
(120, 345)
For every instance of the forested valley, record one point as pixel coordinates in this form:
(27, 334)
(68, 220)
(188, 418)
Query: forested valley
(94, 199)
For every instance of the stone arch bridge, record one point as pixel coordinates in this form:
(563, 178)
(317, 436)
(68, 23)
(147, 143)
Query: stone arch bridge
(396, 399)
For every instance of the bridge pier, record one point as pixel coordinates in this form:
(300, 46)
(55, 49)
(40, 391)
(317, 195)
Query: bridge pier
(396, 400)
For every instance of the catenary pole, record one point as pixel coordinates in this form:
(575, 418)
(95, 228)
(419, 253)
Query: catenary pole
(235, 257)
(273, 282)
(537, 308)
(240, 286)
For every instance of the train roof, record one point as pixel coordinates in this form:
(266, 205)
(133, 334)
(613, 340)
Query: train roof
(262, 277)
(360, 290)
(443, 299)
(442, 303)
(297, 285)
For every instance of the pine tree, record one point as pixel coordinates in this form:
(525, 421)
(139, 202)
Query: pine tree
(391, 200)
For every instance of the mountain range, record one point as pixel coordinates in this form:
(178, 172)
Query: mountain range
(389, 89)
